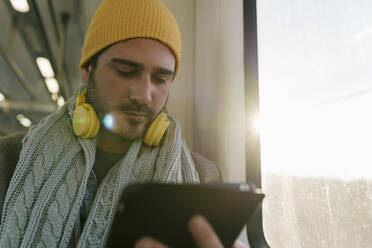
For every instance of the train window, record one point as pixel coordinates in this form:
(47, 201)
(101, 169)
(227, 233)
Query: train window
(315, 74)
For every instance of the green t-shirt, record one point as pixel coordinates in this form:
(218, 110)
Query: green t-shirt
(104, 162)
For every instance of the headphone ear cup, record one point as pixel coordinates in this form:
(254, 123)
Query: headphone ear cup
(156, 130)
(160, 130)
(94, 123)
(97, 124)
(149, 134)
(80, 121)
(85, 122)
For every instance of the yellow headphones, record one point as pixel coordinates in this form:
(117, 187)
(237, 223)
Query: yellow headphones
(86, 124)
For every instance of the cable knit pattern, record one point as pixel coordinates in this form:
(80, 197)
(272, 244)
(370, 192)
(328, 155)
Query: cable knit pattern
(45, 194)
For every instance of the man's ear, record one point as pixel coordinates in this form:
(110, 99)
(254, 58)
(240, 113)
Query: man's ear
(85, 72)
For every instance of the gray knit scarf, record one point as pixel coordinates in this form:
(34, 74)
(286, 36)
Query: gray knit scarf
(46, 191)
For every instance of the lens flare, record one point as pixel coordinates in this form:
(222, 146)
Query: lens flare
(108, 121)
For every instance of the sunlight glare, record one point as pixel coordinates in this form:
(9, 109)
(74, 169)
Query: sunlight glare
(257, 123)
(108, 121)
(332, 140)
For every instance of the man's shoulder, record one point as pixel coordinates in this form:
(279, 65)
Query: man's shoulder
(12, 138)
(207, 170)
(10, 147)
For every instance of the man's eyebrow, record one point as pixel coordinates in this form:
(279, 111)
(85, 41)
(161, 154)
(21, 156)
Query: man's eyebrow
(126, 62)
(164, 71)
(158, 69)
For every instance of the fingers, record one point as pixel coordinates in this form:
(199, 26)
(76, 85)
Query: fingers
(238, 244)
(203, 233)
(149, 243)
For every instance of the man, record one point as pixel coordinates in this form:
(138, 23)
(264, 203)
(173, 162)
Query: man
(68, 172)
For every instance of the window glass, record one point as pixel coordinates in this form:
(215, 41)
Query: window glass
(315, 81)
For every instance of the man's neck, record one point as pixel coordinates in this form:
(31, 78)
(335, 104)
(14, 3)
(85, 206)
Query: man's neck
(110, 142)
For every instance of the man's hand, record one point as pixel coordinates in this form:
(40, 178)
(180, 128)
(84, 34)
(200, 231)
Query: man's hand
(201, 231)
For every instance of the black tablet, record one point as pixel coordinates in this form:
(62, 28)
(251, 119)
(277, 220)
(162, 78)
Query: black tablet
(162, 211)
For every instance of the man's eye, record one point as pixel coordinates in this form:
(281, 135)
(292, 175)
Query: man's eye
(125, 73)
(160, 80)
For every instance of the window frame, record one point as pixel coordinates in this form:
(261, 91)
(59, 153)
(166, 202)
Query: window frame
(253, 151)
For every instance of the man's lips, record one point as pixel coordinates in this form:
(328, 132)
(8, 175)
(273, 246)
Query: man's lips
(135, 114)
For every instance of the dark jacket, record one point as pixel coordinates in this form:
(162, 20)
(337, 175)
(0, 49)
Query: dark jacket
(10, 147)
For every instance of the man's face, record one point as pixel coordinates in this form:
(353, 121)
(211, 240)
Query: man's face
(130, 84)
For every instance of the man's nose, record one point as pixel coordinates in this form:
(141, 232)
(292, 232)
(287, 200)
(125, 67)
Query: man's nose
(141, 91)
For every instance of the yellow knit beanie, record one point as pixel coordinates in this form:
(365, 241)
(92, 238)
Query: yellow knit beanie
(117, 20)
